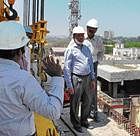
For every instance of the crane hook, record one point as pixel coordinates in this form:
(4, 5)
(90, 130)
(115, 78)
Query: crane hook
(14, 13)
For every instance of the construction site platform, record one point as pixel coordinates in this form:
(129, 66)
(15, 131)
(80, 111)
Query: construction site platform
(105, 127)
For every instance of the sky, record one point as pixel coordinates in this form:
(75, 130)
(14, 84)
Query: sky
(120, 16)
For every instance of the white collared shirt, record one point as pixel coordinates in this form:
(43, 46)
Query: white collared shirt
(20, 95)
(97, 48)
(95, 45)
(78, 60)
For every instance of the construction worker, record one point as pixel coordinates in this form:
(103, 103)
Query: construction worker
(20, 93)
(79, 77)
(96, 46)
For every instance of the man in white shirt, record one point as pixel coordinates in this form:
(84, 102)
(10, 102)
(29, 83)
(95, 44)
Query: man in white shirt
(79, 77)
(96, 46)
(20, 92)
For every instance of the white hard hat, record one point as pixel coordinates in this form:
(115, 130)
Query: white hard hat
(12, 35)
(78, 30)
(92, 23)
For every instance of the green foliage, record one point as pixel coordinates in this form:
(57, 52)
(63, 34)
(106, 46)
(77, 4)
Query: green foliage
(130, 44)
(109, 45)
(108, 42)
(109, 49)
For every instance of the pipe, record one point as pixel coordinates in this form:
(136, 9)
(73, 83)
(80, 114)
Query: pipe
(37, 10)
(28, 13)
(34, 12)
(42, 10)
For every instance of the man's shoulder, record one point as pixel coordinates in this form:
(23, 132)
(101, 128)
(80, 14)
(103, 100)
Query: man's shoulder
(87, 41)
(87, 46)
(69, 48)
(97, 40)
(96, 37)
(25, 75)
(71, 45)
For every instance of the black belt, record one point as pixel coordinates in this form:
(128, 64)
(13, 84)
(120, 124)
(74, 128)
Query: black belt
(80, 75)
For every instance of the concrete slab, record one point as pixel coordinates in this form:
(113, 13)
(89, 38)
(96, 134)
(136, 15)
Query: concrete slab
(119, 72)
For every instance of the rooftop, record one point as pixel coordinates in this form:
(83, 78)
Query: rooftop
(119, 72)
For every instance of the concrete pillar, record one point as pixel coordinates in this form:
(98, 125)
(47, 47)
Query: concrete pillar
(110, 88)
(115, 87)
(99, 84)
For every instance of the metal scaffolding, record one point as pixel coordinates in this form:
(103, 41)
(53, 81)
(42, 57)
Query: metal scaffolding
(75, 15)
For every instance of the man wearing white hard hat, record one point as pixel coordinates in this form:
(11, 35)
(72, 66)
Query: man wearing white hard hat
(97, 48)
(79, 77)
(20, 93)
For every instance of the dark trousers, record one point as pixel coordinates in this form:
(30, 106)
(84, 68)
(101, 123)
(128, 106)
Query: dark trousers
(94, 108)
(82, 94)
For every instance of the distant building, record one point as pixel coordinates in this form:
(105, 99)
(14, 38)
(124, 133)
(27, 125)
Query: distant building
(121, 53)
(119, 45)
(108, 34)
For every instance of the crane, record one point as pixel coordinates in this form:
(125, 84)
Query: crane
(34, 18)
(75, 14)
(7, 12)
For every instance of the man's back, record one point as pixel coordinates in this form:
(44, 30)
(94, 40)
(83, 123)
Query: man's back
(13, 113)
(20, 95)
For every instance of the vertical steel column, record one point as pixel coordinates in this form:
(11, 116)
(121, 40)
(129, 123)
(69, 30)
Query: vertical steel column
(34, 12)
(42, 10)
(25, 12)
(75, 15)
(37, 10)
(28, 22)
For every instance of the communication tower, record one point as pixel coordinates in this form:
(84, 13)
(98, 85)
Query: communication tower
(75, 15)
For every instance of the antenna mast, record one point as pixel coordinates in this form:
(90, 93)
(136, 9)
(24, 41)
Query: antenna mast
(75, 15)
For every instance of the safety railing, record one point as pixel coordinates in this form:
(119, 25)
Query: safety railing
(130, 127)
(108, 105)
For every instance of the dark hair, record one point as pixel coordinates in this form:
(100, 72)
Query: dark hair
(10, 54)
